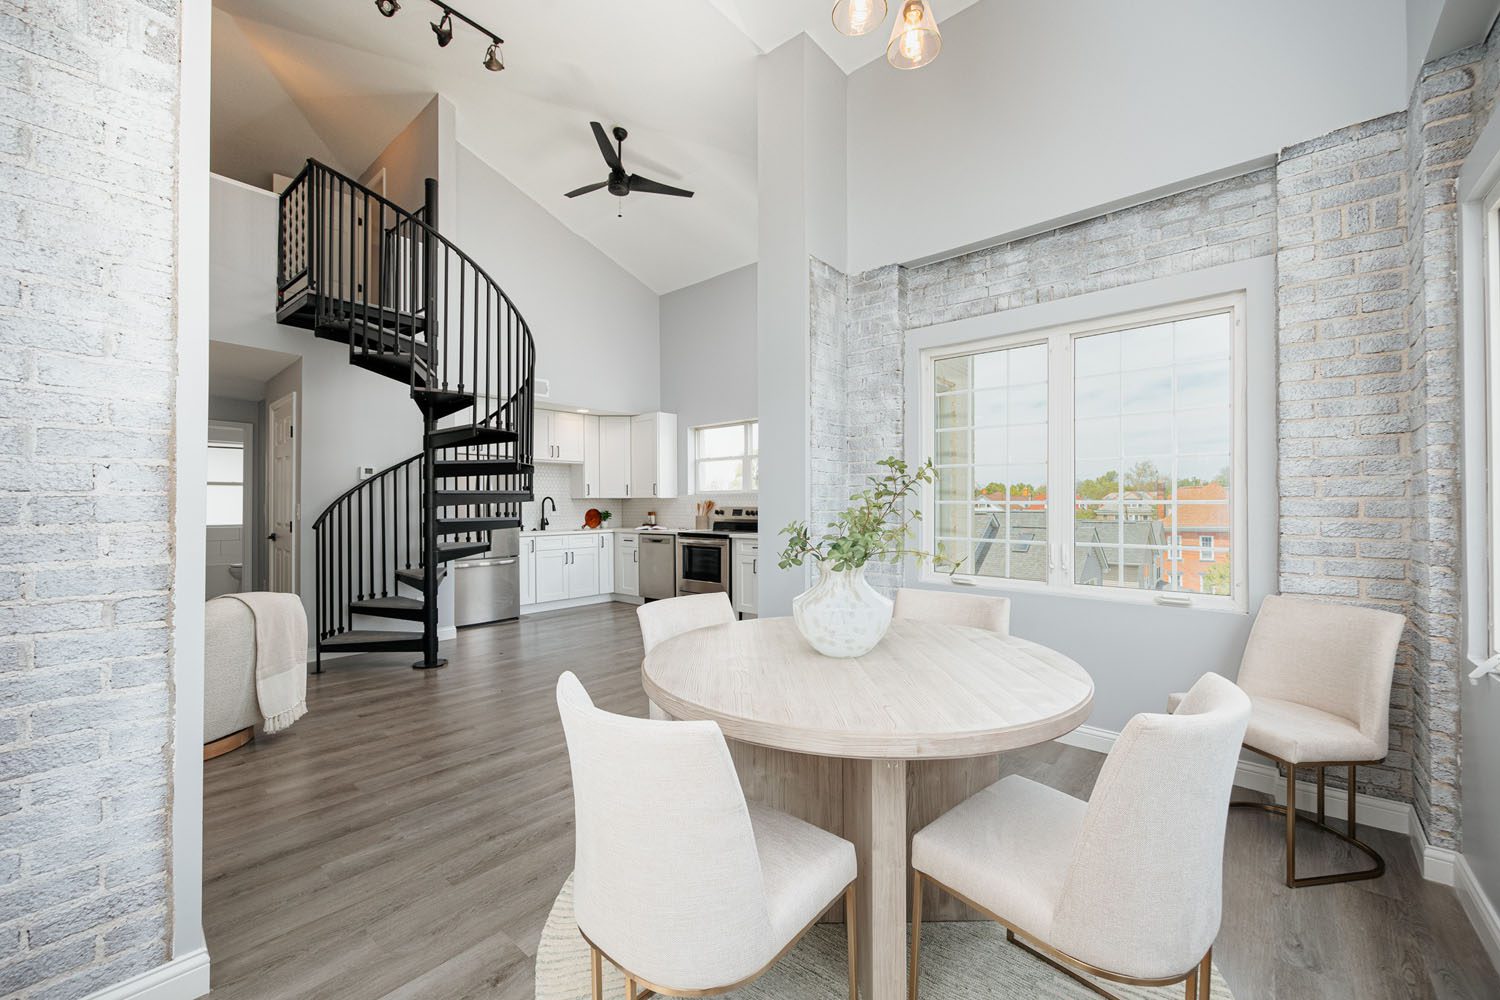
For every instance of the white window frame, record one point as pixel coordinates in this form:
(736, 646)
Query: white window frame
(749, 474)
(1060, 468)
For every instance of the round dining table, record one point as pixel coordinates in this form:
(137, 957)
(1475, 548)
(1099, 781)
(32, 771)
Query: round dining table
(874, 747)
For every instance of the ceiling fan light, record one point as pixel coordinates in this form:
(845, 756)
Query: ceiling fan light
(858, 17)
(387, 7)
(492, 60)
(915, 40)
(443, 30)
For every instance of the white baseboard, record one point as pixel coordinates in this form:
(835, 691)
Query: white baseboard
(1438, 864)
(1382, 814)
(1478, 905)
(183, 978)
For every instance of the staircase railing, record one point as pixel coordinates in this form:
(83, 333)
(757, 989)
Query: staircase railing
(363, 538)
(404, 291)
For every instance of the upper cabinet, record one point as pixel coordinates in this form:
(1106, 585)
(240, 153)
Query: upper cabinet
(559, 437)
(614, 457)
(653, 455)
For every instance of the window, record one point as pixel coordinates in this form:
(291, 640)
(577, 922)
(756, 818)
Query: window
(226, 483)
(1091, 458)
(726, 458)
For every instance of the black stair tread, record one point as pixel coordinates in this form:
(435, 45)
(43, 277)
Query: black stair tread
(448, 551)
(457, 437)
(441, 402)
(409, 608)
(459, 525)
(393, 366)
(371, 639)
(477, 498)
(367, 336)
(413, 577)
(449, 468)
(301, 308)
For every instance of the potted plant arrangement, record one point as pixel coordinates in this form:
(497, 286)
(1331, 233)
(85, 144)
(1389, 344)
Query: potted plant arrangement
(841, 615)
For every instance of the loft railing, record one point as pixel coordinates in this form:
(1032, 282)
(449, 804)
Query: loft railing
(404, 293)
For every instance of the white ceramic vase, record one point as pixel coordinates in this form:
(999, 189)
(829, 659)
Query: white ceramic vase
(842, 615)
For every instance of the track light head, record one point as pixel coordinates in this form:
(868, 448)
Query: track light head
(443, 29)
(387, 7)
(492, 60)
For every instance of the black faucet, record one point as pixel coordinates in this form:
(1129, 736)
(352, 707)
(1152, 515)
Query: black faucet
(544, 522)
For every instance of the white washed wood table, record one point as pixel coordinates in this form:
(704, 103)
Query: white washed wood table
(874, 747)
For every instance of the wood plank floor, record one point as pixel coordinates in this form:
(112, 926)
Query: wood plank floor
(407, 837)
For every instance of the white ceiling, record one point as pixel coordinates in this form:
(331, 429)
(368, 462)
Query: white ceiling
(681, 76)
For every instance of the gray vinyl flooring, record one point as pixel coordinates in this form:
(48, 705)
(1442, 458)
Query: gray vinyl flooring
(407, 837)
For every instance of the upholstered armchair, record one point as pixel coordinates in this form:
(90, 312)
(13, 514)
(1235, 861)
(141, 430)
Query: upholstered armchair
(662, 620)
(677, 882)
(1126, 886)
(1319, 680)
(974, 610)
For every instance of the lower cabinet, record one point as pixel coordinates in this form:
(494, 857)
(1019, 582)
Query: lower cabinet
(606, 564)
(744, 583)
(582, 568)
(528, 571)
(628, 564)
(567, 566)
(551, 572)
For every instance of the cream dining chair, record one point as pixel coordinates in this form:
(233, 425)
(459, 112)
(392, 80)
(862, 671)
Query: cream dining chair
(1126, 886)
(975, 610)
(666, 619)
(677, 882)
(1319, 680)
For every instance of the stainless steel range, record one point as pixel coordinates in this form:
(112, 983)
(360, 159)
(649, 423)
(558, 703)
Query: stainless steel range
(703, 558)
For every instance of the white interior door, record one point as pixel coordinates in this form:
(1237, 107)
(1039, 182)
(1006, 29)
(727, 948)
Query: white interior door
(281, 488)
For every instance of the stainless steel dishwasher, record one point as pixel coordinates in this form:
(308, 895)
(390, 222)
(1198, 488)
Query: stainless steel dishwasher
(658, 566)
(487, 588)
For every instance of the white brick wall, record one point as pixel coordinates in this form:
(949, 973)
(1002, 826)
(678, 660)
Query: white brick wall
(87, 159)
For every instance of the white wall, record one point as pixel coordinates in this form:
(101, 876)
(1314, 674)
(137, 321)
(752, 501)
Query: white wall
(1037, 111)
(708, 355)
(596, 327)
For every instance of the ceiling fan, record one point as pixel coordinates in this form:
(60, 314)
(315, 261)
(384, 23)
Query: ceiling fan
(620, 183)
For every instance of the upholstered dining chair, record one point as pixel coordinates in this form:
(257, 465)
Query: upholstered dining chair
(1319, 680)
(662, 620)
(1126, 886)
(975, 610)
(677, 882)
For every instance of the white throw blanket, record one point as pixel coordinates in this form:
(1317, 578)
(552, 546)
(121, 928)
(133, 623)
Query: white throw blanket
(280, 657)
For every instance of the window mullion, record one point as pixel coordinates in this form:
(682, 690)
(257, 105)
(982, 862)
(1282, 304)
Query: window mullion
(1059, 459)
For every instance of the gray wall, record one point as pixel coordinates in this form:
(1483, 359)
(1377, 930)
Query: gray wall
(708, 355)
(88, 161)
(596, 327)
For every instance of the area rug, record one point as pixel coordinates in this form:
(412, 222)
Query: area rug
(960, 961)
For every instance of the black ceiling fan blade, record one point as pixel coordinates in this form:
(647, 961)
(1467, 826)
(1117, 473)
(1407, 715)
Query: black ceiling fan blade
(647, 186)
(606, 147)
(586, 189)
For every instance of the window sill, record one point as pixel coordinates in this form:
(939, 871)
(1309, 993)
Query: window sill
(960, 582)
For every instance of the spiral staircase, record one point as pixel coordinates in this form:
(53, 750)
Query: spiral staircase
(356, 268)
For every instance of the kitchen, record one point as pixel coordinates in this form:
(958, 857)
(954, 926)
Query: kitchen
(614, 520)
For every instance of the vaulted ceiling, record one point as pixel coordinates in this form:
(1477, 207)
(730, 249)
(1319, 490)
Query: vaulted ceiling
(332, 78)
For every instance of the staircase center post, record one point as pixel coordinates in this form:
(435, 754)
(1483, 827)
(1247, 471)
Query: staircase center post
(430, 657)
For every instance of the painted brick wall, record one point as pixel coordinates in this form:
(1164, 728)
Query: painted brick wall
(87, 174)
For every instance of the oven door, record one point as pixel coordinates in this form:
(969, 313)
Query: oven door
(702, 565)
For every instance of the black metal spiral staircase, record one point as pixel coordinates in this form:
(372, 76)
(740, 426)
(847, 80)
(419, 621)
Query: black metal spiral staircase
(358, 269)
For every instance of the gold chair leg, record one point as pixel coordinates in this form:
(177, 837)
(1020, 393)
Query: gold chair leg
(853, 931)
(1291, 826)
(596, 973)
(916, 935)
(1206, 976)
(1349, 786)
(1190, 985)
(629, 988)
(1322, 813)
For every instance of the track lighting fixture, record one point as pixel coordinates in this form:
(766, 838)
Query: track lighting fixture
(443, 29)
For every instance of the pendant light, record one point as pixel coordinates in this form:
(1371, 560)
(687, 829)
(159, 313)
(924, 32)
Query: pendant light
(858, 17)
(915, 40)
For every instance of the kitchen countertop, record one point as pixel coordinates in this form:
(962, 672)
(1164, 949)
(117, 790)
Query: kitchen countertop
(641, 530)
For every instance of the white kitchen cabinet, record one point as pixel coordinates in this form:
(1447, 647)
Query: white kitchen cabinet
(744, 585)
(551, 572)
(628, 564)
(585, 477)
(528, 571)
(606, 564)
(558, 437)
(581, 571)
(614, 457)
(653, 455)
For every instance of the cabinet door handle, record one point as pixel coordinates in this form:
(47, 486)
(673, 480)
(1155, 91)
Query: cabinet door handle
(754, 567)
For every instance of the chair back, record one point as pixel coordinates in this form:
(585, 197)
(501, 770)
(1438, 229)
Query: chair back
(1336, 658)
(974, 610)
(662, 620)
(666, 879)
(1142, 895)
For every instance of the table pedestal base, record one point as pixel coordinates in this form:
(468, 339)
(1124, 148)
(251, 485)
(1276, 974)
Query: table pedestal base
(875, 820)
